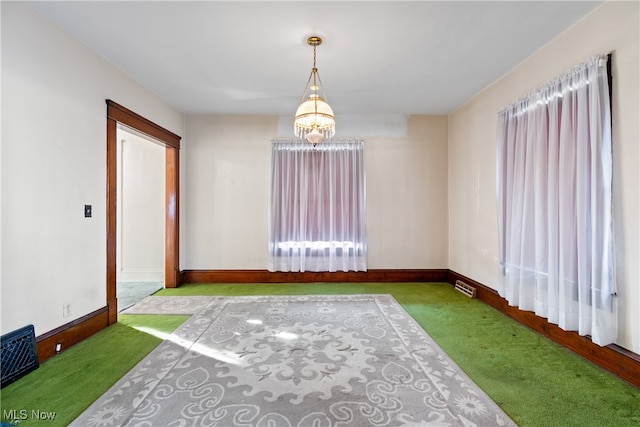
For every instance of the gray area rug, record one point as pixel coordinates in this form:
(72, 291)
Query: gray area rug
(301, 361)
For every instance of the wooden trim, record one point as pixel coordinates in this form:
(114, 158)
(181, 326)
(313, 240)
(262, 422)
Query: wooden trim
(118, 114)
(615, 359)
(128, 118)
(172, 215)
(71, 333)
(264, 276)
(112, 190)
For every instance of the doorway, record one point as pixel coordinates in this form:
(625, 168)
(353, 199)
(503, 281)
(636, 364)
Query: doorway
(119, 116)
(140, 217)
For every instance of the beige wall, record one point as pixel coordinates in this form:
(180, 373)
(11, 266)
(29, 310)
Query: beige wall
(226, 173)
(227, 181)
(407, 217)
(53, 163)
(473, 249)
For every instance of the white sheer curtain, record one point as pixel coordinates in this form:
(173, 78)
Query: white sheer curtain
(554, 171)
(317, 218)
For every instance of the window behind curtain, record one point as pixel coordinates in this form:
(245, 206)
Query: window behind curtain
(317, 213)
(555, 202)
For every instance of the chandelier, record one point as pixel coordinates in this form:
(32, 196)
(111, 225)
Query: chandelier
(314, 117)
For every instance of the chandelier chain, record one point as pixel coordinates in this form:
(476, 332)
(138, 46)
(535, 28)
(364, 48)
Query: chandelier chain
(315, 83)
(314, 119)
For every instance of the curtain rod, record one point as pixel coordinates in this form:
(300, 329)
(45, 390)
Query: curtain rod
(603, 59)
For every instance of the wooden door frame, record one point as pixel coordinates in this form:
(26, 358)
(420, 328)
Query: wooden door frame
(119, 114)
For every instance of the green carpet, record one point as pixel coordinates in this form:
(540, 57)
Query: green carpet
(535, 381)
(68, 383)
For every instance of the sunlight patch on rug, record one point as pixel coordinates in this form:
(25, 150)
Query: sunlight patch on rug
(357, 360)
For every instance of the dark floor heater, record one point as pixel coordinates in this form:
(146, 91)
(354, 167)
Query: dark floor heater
(19, 354)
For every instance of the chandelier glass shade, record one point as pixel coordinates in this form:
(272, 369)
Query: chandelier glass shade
(314, 119)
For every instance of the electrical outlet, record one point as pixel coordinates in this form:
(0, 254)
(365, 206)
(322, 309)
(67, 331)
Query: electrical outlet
(66, 310)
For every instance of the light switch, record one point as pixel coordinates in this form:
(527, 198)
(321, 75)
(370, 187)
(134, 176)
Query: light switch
(87, 211)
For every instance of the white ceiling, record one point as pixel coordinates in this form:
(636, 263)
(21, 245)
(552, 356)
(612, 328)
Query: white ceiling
(380, 57)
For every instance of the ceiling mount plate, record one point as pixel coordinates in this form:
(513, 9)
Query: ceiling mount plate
(314, 41)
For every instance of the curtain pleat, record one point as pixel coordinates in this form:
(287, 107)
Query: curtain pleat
(317, 212)
(554, 193)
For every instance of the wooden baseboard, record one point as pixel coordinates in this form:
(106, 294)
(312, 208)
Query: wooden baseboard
(615, 359)
(71, 333)
(264, 276)
(621, 362)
